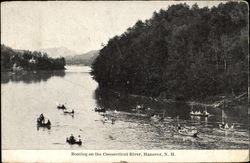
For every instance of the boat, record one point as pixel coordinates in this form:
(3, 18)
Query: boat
(107, 120)
(204, 114)
(198, 113)
(100, 110)
(43, 124)
(73, 141)
(224, 126)
(186, 131)
(68, 112)
(156, 117)
(61, 107)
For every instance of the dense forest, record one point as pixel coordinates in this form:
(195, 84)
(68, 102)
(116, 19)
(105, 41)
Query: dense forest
(183, 51)
(12, 60)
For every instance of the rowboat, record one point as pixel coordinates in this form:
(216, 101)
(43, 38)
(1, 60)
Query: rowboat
(185, 131)
(72, 142)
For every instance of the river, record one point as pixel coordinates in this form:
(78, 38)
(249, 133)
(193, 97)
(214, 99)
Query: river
(24, 96)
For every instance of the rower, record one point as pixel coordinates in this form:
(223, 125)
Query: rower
(72, 138)
(41, 118)
(222, 125)
(48, 122)
(226, 126)
(232, 126)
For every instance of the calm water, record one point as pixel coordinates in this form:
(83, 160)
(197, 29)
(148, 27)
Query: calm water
(25, 96)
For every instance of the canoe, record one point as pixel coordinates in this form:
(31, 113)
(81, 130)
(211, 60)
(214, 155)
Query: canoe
(100, 110)
(42, 124)
(112, 121)
(61, 107)
(68, 112)
(79, 142)
(200, 115)
(186, 131)
(226, 129)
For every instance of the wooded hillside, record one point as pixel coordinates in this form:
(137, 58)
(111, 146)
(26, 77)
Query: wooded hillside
(182, 51)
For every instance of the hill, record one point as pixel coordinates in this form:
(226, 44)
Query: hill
(58, 52)
(184, 51)
(85, 59)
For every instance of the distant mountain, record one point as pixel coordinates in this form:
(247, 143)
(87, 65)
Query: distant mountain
(58, 52)
(85, 59)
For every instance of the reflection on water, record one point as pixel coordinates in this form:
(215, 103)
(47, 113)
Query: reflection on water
(30, 76)
(115, 101)
(25, 97)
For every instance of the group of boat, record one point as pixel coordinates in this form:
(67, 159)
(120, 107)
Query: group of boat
(105, 119)
(41, 123)
(198, 113)
(65, 110)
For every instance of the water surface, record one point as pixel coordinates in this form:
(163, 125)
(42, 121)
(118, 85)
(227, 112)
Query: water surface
(24, 96)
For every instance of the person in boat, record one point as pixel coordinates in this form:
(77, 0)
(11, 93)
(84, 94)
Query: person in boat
(232, 126)
(48, 122)
(72, 138)
(63, 106)
(178, 126)
(226, 126)
(222, 125)
(192, 112)
(199, 112)
(41, 118)
(205, 112)
(79, 138)
(73, 111)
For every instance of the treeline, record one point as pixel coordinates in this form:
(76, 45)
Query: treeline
(183, 51)
(12, 60)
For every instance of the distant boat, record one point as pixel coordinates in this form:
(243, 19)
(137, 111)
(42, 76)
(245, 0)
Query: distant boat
(224, 126)
(43, 124)
(100, 110)
(61, 107)
(185, 131)
(198, 113)
(107, 120)
(69, 112)
(73, 141)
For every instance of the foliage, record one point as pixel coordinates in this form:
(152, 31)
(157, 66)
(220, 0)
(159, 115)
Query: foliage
(27, 60)
(183, 51)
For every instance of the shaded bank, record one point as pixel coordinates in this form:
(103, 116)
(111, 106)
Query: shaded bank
(112, 100)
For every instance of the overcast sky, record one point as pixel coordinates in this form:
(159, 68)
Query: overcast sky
(79, 26)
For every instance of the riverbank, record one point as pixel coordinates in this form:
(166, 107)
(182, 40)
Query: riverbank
(219, 101)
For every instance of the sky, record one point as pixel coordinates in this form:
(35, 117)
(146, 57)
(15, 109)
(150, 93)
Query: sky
(78, 26)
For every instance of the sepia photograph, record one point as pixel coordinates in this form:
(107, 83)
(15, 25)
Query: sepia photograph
(125, 75)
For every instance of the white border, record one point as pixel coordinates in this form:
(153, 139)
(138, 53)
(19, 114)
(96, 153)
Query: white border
(179, 156)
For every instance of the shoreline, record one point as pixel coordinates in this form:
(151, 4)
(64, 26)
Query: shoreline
(221, 101)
